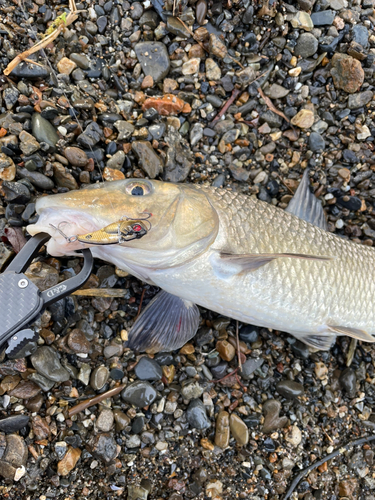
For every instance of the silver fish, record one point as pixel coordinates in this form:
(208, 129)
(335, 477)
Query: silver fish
(228, 253)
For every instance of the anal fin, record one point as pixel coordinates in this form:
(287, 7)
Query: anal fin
(352, 332)
(166, 324)
(321, 341)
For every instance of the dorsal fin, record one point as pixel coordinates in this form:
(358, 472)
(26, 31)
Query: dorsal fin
(306, 205)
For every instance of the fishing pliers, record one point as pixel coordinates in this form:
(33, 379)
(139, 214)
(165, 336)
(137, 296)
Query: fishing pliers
(21, 301)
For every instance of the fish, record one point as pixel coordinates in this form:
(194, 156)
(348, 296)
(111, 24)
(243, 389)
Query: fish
(224, 251)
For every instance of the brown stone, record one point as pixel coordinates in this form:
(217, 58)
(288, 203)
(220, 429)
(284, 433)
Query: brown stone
(165, 106)
(196, 51)
(78, 342)
(147, 83)
(217, 47)
(226, 350)
(169, 85)
(169, 373)
(187, 349)
(222, 433)
(76, 156)
(272, 419)
(347, 73)
(303, 119)
(69, 461)
(112, 174)
(25, 390)
(40, 427)
(66, 66)
(239, 429)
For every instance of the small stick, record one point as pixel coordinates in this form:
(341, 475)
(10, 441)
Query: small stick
(140, 304)
(271, 105)
(318, 463)
(238, 348)
(192, 34)
(101, 292)
(229, 102)
(95, 400)
(226, 376)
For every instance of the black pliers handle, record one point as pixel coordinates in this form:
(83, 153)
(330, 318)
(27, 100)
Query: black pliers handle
(21, 302)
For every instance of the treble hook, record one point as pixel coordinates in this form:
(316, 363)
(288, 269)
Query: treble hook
(69, 239)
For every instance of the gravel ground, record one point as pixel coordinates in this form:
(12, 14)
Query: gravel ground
(228, 93)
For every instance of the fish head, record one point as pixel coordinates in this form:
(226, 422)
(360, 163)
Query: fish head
(182, 223)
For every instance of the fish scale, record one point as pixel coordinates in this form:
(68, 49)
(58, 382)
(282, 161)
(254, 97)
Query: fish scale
(339, 291)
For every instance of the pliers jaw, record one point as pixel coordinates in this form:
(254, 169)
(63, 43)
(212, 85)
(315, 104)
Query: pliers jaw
(21, 302)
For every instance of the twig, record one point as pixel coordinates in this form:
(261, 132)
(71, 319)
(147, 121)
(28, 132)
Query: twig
(192, 34)
(95, 400)
(238, 348)
(226, 376)
(270, 104)
(101, 292)
(264, 41)
(229, 102)
(318, 463)
(140, 304)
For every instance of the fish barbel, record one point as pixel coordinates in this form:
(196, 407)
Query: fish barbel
(227, 252)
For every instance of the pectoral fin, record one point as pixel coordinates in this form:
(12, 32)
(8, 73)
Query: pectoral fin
(352, 332)
(306, 205)
(166, 324)
(321, 341)
(230, 264)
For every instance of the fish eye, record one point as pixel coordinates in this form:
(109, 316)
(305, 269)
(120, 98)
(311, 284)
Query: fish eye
(138, 189)
(88, 237)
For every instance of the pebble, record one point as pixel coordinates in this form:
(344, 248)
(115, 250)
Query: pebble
(13, 423)
(125, 130)
(99, 377)
(359, 100)
(289, 388)
(213, 71)
(303, 119)
(316, 142)
(63, 177)
(294, 436)
(14, 456)
(347, 73)
(46, 362)
(348, 382)
(323, 18)
(239, 429)
(76, 156)
(44, 131)
(103, 447)
(191, 390)
(139, 394)
(67, 464)
(105, 420)
(38, 179)
(306, 45)
(25, 390)
(222, 430)
(148, 369)
(226, 350)
(201, 11)
(154, 59)
(29, 144)
(66, 66)
(272, 419)
(250, 366)
(149, 160)
(196, 415)
(302, 20)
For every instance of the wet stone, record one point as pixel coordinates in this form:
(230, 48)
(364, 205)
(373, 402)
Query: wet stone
(139, 394)
(148, 369)
(15, 192)
(323, 18)
(149, 160)
(30, 71)
(25, 390)
(105, 420)
(191, 390)
(249, 367)
(13, 423)
(121, 420)
(272, 419)
(44, 383)
(46, 362)
(306, 46)
(78, 342)
(289, 388)
(38, 179)
(44, 131)
(222, 431)
(196, 415)
(316, 142)
(154, 59)
(99, 377)
(360, 35)
(76, 156)
(239, 429)
(348, 382)
(29, 144)
(249, 334)
(103, 447)
(63, 178)
(90, 136)
(356, 101)
(347, 73)
(67, 464)
(125, 130)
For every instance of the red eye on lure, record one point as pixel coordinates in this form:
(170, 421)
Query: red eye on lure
(125, 229)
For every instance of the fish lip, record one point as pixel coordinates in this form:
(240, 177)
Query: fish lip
(79, 222)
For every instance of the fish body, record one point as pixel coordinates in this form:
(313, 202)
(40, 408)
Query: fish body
(229, 253)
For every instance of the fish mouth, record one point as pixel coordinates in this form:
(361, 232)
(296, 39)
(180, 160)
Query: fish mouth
(57, 222)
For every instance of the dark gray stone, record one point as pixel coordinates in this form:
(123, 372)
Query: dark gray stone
(148, 369)
(154, 59)
(139, 394)
(196, 415)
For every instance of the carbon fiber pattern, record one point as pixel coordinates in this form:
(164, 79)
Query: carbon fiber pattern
(18, 306)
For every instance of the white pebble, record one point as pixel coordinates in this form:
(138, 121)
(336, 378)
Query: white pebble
(339, 224)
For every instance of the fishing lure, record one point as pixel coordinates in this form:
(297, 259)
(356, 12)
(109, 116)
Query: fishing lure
(125, 229)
